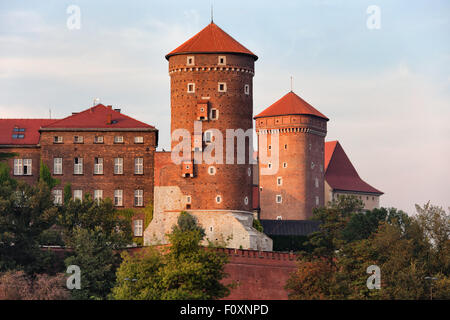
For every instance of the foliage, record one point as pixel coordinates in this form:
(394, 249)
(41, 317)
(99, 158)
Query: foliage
(46, 176)
(406, 249)
(186, 271)
(67, 193)
(16, 285)
(7, 155)
(25, 212)
(93, 253)
(257, 225)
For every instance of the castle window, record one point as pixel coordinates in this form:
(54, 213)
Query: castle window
(78, 139)
(246, 200)
(118, 165)
(317, 200)
(218, 199)
(270, 147)
(279, 218)
(78, 166)
(212, 170)
(98, 166)
(249, 171)
(98, 139)
(278, 198)
(269, 165)
(190, 61)
(118, 139)
(316, 182)
(285, 147)
(312, 165)
(279, 181)
(373, 198)
(57, 139)
(284, 164)
(222, 87)
(208, 135)
(247, 89)
(367, 198)
(214, 114)
(137, 230)
(98, 195)
(139, 139)
(57, 197)
(188, 199)
(78, 194)
(138, 198)
(57, 165)
(191, 87)
(222, 60)
(139, 166)
(118, 198)
(260, 188)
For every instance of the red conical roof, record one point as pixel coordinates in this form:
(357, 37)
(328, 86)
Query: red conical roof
(340, 174)
(290, 104)
(211, 39)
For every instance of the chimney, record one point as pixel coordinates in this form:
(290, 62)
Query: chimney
(108, 118)
(118, 110)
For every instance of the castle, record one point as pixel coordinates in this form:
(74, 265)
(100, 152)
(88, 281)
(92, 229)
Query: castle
(210, 171)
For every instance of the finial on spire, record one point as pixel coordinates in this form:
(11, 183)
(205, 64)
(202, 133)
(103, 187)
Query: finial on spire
(212, 13)
(291, 84)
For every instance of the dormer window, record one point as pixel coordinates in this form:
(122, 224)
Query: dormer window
(222, 60)
(190, 61)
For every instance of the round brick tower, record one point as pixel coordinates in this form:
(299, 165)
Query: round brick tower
(211, 82)
(295, 183)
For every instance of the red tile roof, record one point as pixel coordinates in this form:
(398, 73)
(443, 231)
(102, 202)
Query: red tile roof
(290, 103)
(340, 174)
(30, 135)
(97, 117)
(211, 39)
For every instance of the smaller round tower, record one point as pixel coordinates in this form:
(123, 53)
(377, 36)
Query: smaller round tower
(291, 172)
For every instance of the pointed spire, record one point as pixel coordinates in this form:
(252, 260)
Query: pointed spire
(292, 90)
(212, 13)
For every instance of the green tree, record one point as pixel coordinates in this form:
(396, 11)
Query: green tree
(46, 176)
(186, 271)
(93, 253)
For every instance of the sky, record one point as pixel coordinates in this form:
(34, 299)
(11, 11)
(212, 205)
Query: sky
(386, 90)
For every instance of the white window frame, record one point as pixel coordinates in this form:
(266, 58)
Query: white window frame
(192, 63)
(316, 182)
(98, 167)
(27, 167)
(279, 217)
(211, 114)
(57, 165)
(205, 136)
(98, 195)
(317, 200)
(138, 226)
(57, 197)
(193, 87)
(222, 63)
(188, 199)
(279, 181)
(78, 194)
(98, 139)
(278, 198)
(269, 165)
(247, 89)
(118, 198)
(138, 165)
(57, 139)
(139, 198)
(246, 200)
(118, 165)
(78, 139)
(284, 164)
(249, 172)
(212, 170)
(118, 139)
(139, 139)
(224, 87)
(78, 167)
(218, 197)
(18, 167)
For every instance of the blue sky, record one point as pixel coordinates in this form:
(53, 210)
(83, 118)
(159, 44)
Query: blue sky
(386, 91)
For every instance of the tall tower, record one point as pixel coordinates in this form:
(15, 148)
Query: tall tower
(295, 183)
(211, 80)
(211, 90)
